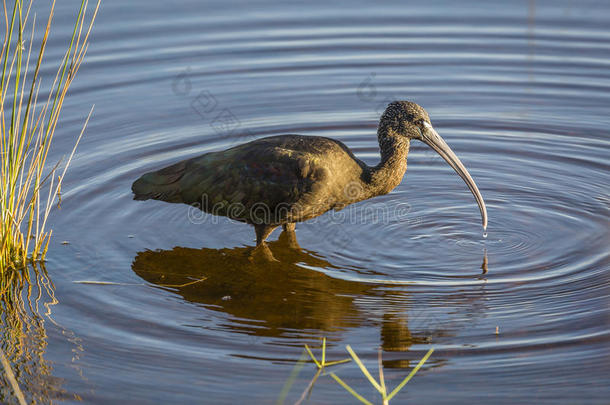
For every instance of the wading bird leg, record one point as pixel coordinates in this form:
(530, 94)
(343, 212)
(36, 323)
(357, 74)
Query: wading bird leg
(262, 253)
(289, 236)
(262, 232)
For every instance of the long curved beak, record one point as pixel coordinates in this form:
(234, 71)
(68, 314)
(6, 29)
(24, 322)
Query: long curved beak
(431, 138)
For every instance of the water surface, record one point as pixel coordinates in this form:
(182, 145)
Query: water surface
(519, 90)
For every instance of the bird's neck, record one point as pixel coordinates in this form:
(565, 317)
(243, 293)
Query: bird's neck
(389, 172)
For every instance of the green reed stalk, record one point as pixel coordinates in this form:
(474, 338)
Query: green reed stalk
(28, 187)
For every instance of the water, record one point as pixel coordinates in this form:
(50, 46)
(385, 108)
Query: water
(521, 93)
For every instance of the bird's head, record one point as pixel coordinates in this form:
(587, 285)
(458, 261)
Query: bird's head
(411, 121)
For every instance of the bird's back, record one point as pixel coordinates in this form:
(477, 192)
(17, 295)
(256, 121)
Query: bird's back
(284, 178)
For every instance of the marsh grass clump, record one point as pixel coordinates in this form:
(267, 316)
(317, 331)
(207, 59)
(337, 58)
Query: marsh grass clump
(380, 385)
(28, 187)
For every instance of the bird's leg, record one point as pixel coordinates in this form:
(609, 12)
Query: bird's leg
(262, 253)
(290, 236)
(262, 232)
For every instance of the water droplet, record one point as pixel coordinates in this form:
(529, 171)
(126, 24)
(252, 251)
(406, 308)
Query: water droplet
(484, 235)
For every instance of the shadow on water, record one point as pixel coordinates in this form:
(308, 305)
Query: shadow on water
(26, 301)
(285, 297)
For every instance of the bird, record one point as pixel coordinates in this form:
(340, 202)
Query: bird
(284, 179)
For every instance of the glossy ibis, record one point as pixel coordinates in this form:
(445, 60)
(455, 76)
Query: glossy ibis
(281, 180)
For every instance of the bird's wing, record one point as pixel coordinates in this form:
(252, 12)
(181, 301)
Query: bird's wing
(302, 175)
(239, 181)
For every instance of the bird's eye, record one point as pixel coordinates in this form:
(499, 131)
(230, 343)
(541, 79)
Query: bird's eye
(422, 123)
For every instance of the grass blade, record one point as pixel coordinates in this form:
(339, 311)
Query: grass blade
(411, 374)
(381, 377)
(312, 356)
(364, 370)
(293, 375)
(11, 378)
(323, 352)
(350, 390)
(332, 363)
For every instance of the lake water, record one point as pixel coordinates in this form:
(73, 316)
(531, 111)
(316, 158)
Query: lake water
(520, 90)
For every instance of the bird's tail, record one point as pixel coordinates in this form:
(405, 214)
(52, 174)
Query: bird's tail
(161, 185)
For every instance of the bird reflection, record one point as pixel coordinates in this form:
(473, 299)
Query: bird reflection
(284, 297)
(266, 297)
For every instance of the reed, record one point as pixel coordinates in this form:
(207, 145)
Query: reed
(28, 186)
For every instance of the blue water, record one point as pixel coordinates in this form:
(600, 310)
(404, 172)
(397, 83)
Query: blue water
(519, 90)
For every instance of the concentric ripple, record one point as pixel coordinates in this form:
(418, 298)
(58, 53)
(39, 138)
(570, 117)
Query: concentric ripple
(520, 92)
